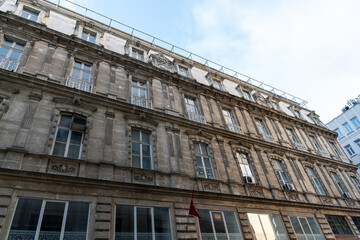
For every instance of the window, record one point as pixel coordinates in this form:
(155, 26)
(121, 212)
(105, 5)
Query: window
(80, 76)
(356, 183)
(282, 175)
(261, 126)
(218, 225)
(276, 106)
(306, 228)
(315, 181)
(340, 135)
(357, 142)
(88, 36)
(183, 71)
(347, 127)
(46, 219)
(245, 167)
(141, 149)
(10, 53)
(340, 185)
(230, 121)
(295, 112)
(138, 54)
(335, 149)
(356, 220)
(267, 226)
(338, 225)
(356, 122)
(218, 85)
(315, 143)
(203, 161)
(247, 96)
(139, 94)
(135, 222)
(69, 136)
(29, 14)
(292, 135)
(350, 150)
(193, 110)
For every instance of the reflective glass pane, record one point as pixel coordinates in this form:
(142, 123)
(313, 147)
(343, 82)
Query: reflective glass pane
(204, 149)
(205, 225)
(7, 43)
(278, 227)
(77, 64)
(146, 150)
(197, 148)
(135, 135)
(267, 226)
(76, 221)
(135, 148)
(143, 223)
(145, 137)
(33, 18)
(146, 163)
(25, 219)
(62, 135)
(219, 225)
(19, 46)
(87, 67)
(73, 151)
(15, 55)
(52, 221)
(256, 226)
(3, 52)
(306, 228)
(162, 224)
(59, 149)
(79, 120)
(76, 73)
(124, 223)
(232, 226)
(85, 76)
(65, 121)
(76, 138)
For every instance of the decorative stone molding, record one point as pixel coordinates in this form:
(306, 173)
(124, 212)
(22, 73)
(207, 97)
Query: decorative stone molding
(199, 135)
(141, 118)
(255, 191)
(4, 106)
(61, 167)
(260, 99)
(237, 145)
(162, 62)
(292, 196)
(143, 177)
(326, 200)
(350, 202)
(76, 101)
(211, 186)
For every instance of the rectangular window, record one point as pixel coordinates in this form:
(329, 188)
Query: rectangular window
(306, 228)
(218, 85)
(29, 14)
(10, 53)
(139, 94)
(315, 181)
(80, 76)
(340, 135)
(69, 136)
(357, 142)
(183, 71)
(135, 222)
(267, 226)
(276, 106)
(315, 143)
(340, 185)
(141, 149)
(347, 127)
(191, 106)
(203, 161)
(230, 121)
(292, 135)
(350, 150)
(46, 219)
(356, 220)
(336, 149)
(356, 122)
(218, 225)
(247, 96)
(138, 54)
(245, 167)
(356, 183)
(282, 175)
(261, 126)
(338, 225)
(88, 36)
(297, 114)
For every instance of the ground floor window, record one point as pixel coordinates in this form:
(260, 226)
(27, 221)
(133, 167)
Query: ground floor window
(218, 225)
(357, 222)
(339, 225)
(38, 219)
(306, 228)
(267, 226)
(139, 222)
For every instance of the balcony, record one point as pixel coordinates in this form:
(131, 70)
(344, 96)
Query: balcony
(268, 138)
(300, 147)
(196, 117)
(80, 84)
(234, 128)
(324, 153)
(142, 102)
(8, 64)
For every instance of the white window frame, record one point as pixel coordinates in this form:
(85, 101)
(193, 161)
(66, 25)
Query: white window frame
(350, 150)
(244, 164)
(31, 13)
(315, 143)
(229, 116)
(347, 127)
(87, 33)
(356, 122)
(260, 124)
(138, 53)
(302, 228)
(315, 181)
(191, 103)
(7, 62)
(281, 173)
(342, 189)
(141, 143)
(292, 135)
(81, 70)
(202, 155)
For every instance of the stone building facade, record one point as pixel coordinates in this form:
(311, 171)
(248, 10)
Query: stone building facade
(105, 136)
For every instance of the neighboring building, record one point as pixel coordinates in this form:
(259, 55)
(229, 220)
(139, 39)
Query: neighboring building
(347, 126)
(104, 136)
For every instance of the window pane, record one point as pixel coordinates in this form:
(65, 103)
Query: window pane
(135, 135)
(76, 73)
(256, 226)
(219, 225)
(52, 221)
(143, 223)
(162, 224)
(136, 148)
(267, 226)
(15, 55)
(278, 227)
(146, 163)
(135, 161)
(73, 151)
(59, 149)
(124, 224)
(146, 150)
(62, 135)
(25, 219)
(65, 121)
(314, 228)
(76, 138)
(85, 76)
(76, 221)
(306, 228)
(79, 120)
(232, 226)
(197, 148)
(145, 137)
(205, 225)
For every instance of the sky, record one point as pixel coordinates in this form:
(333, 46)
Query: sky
(308, 48)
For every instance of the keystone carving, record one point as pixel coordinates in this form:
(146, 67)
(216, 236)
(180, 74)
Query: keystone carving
(160, 61)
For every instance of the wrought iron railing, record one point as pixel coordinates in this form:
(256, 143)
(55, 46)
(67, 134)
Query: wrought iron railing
(8, 64)
(268, 138)
(234, 128)
(196, 117)
(80, 84)
(142, 236)
(142, 102)
(45, 235)
(221, 236)
(300, 147)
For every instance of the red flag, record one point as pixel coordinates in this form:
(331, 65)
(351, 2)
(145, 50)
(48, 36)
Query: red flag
(192, 210)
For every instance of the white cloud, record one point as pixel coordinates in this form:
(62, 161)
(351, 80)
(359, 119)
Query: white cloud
(308, 48)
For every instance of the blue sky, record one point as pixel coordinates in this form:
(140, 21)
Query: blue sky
(307, 48)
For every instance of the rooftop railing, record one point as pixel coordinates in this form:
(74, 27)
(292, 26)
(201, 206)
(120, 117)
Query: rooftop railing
(161, 44)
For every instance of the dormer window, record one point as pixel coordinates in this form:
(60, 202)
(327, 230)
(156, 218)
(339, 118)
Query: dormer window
(29, 14)
(88, 36)
(183, 71)
(138, 54)
(247, 95)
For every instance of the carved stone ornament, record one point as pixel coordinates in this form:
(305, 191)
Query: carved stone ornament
(210, 186)
(4, 106)
(256, 192)
(294, 196)
(260, 99)
(162, 62)
(350, 202)
(63, 168)
(76, 101)
(147, 178)
(326, 200)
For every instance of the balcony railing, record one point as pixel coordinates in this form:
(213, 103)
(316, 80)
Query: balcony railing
(268, 138)
(142, 102)
(234, 128)
(79, 84)
(8, 64)
(324, 153)
(300, 147)
(196, 117)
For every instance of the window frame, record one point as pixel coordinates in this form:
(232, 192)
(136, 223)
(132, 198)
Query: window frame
(340, 185)
(302, 228)
(13, 65)
(356, 122)
(248, 167)
(261, 126)
(347, 127)
(292, 135)
(356, 182)
(268, 214)
(350, 150)
(317, 186)
(141, 143)
(30, 12)
(195, 105)
(281, 174)
(201, 155)
(340, 135)
(339, 221)
(89, 34)
(315, 143)
(357, 142)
